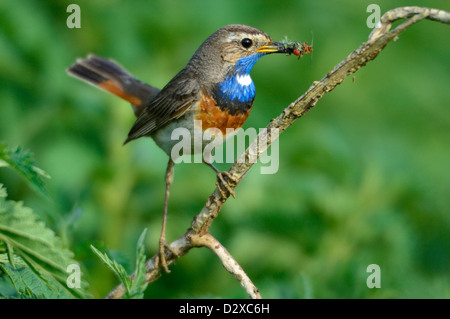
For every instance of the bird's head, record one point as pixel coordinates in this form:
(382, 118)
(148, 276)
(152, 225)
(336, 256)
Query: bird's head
(233, 48)
(242, 45)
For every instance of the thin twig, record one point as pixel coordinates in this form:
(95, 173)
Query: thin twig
(228, 262)
(198, 233)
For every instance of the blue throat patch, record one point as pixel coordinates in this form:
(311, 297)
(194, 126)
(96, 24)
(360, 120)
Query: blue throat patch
(238, 86)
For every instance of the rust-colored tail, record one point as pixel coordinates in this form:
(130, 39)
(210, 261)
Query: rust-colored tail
(111, 77)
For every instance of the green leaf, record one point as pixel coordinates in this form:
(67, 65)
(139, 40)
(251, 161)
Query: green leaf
(139, 284)
(24, 163)
(27, 283)
(115, 267)
(37, 245)
(134, 288)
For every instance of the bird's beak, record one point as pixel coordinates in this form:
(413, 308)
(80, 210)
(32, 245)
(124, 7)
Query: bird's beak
(273, 47)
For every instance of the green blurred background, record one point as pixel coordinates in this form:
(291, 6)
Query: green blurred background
(364, 177)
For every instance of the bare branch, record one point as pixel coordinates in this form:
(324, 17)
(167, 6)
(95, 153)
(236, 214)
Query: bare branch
(385, 23)
(228, 262)
(198, 234)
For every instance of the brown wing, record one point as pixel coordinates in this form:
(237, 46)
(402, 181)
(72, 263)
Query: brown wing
(171, 103)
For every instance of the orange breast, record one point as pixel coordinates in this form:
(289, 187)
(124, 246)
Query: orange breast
(213, 116)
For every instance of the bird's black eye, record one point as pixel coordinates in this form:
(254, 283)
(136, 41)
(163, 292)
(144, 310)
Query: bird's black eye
(246, 43)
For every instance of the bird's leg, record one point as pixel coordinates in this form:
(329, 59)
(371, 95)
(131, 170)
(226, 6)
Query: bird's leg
(162, 237)
(221, 182)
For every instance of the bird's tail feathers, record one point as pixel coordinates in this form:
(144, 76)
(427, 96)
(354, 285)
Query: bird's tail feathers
(111, 77)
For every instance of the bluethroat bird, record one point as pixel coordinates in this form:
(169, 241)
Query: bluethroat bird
(214, 87)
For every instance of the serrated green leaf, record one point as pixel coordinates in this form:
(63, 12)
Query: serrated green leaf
(115, 267)
(134, 288)
(27, 284)
(139, 284)
(39, 247)
(23, 162)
